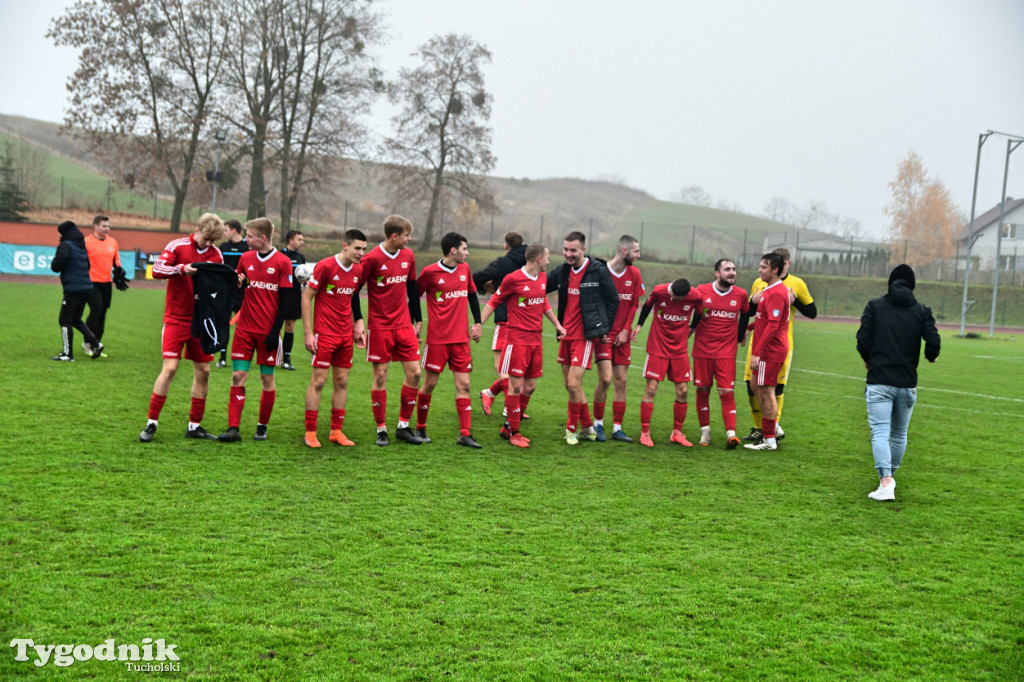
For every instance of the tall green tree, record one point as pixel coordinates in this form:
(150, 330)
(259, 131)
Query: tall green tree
(144, 88)
(441, 138)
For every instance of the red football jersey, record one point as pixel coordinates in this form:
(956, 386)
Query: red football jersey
(447, 309)
(771, 325)
(572, 318)
(717, 335)
(630, 286)
(266, 274)
(385, 275)
(527, 303)
(180, 300)
(334, 285)
(671, 327)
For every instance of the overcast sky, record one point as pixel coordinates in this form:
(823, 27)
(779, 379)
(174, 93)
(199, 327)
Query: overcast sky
(750, 99)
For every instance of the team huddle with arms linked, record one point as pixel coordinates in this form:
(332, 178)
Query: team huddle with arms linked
(601, 308)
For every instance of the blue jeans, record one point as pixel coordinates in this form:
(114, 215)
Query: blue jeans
(889, 410)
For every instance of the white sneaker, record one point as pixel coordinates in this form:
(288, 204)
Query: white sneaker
(760, 445)
(705, 435)
(884, 493)
(779, 433)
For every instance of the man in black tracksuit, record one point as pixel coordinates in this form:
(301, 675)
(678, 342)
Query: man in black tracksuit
(491, 277)
(889, 341)
(72, 262)
(587, 303)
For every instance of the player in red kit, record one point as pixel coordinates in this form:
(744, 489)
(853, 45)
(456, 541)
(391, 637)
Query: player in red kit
(719, 328)
(524, 293)
(175, 265)
(770, 345)
(393, 324)
(613, 359)
(332, 330)
(448, 286)
(267, 275)
(587, 305)
(673, 305)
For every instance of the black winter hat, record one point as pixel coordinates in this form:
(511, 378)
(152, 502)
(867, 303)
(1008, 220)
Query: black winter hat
(66, 227)
(904, 272)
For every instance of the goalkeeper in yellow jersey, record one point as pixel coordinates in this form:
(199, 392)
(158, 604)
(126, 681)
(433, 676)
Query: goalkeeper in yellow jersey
(800, 298)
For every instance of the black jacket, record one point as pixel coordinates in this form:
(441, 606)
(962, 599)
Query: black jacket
(213, 287)
(496, 271)
(72, 262)
(889, 338)
(599, 299)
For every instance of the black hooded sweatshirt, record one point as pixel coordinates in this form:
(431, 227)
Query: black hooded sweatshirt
(890, 334)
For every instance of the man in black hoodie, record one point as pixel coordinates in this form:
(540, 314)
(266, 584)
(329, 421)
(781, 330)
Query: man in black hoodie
(889, 341)
(72, 262)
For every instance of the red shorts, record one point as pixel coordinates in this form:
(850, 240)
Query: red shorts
(386, 345)
(333, 351)
(498, 340)
(619, 355)
(526, 361)
(767, 373)
(246, 343)
(174, 337)
(456, 355)
(676, 370)
(576, 353)
(707, 371)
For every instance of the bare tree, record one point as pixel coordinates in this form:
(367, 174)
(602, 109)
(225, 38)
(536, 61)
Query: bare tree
(144, 86)
(330, 83)
(254, 74)
(441, 135)
(693, 195)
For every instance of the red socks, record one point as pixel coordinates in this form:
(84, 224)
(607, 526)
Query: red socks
(311, 416)
(618, 411)
(646, 410)
(422, 409)
(195, 414)
(574, 416)
(678, 415)
(704, 408)
(337, 419)
(156, 403)
(380, 407)
(768, 427)
(514, 412)
(408, 405)
(729, 410)
(236, 403)
(599, 411)
(585, 421)
(465, 410)
(499, 386)
(266, 405)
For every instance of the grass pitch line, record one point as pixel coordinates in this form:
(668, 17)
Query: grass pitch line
(919, 404)
(926, 388)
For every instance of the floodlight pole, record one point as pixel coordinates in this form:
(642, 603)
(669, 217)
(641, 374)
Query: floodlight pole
(1010, 147)
(970, 231)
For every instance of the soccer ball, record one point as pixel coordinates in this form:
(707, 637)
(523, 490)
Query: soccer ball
(303, 271)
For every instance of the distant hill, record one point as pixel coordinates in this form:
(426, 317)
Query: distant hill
(540, 209)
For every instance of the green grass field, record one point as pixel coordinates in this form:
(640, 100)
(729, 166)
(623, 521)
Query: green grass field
(272, 561)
